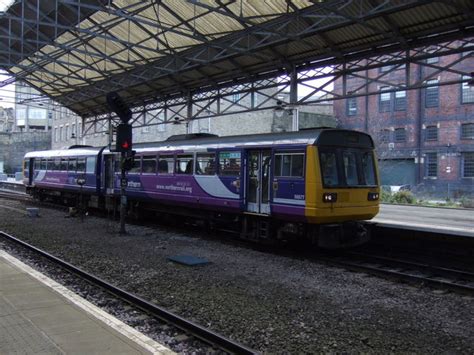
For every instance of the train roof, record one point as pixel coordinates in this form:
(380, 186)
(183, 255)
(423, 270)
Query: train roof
(321, 136)
(75, 152)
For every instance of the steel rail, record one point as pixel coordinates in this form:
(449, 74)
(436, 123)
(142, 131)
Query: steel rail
(378, 265)
(196, 330)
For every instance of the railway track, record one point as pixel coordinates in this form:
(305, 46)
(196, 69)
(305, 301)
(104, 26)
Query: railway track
(407, 271)
(395, 268)
(186, 328)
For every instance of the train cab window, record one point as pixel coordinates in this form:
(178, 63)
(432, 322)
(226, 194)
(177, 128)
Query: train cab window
(184, 164)
(229, 163)
(149, 164)
(367, 160)
(350, 168)
(81, 165)
(90, 165)
(289, 164)
(72, 164)
(26, 166)
(329, 169)
(137, 165)
(63, 165)
(165, 164)
(205, 164)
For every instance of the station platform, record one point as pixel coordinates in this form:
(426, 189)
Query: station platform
(446, 221)
(39, 316)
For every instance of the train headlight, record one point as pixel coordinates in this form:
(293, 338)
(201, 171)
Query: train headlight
(373, 196)
(330, 197)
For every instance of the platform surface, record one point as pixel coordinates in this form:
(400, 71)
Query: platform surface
(39, 316)
(449, 221)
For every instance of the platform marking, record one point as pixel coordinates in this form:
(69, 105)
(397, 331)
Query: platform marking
(114, 323)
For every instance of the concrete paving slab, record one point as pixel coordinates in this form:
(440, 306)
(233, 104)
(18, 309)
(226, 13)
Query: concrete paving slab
(39, 316)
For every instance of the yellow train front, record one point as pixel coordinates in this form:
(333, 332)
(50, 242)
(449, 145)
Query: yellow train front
(342, 189)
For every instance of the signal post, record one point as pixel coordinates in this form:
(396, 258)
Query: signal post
(123, 144)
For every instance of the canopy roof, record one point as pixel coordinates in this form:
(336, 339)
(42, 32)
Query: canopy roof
(76, 51)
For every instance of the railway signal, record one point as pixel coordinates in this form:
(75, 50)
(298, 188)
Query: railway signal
(124, 138)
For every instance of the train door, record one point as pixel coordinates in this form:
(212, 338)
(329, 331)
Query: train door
(258, 181)
(109, 173)
(31, 171)
(28, 172)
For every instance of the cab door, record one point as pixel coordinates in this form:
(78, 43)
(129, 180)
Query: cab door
(258, 181)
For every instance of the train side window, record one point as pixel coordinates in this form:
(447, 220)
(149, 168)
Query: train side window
(72, 164)
(37, 164)
(137, 163)
(50, 164)
(165, 164)
(328, 162)
(184, 164)
(205, 164)
(90, 165)
(229, 163)
(63, 164)
(54, 166)
(42, 164)
(149, 164)
(81, 165)
(289, 165)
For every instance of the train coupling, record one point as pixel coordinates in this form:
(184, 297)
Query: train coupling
(348, 234)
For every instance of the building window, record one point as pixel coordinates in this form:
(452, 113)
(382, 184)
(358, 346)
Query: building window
(400, 135)
(432, 94)
(431, 165)
(468, 165)
(235, 97)
(384, 100)
(431, 133)
(60, 133)
(400, 100)
(467, 92)
(351, 106)
(56, 134)
(467, 131)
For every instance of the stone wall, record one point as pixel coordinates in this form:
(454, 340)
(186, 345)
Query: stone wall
(13, 147)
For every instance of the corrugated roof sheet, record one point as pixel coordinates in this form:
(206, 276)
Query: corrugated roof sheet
(157, 48)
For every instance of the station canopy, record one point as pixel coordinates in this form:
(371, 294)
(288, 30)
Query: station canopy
(77, 51)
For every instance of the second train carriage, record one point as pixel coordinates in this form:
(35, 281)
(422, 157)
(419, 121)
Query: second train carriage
(317, 183)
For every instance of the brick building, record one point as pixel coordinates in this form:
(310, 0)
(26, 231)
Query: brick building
(424, 137)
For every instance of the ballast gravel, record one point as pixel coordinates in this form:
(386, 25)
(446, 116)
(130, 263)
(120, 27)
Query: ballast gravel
(270, 303)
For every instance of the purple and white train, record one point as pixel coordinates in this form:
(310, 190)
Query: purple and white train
(320, 184)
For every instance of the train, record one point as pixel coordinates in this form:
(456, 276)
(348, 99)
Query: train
(320, 184)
